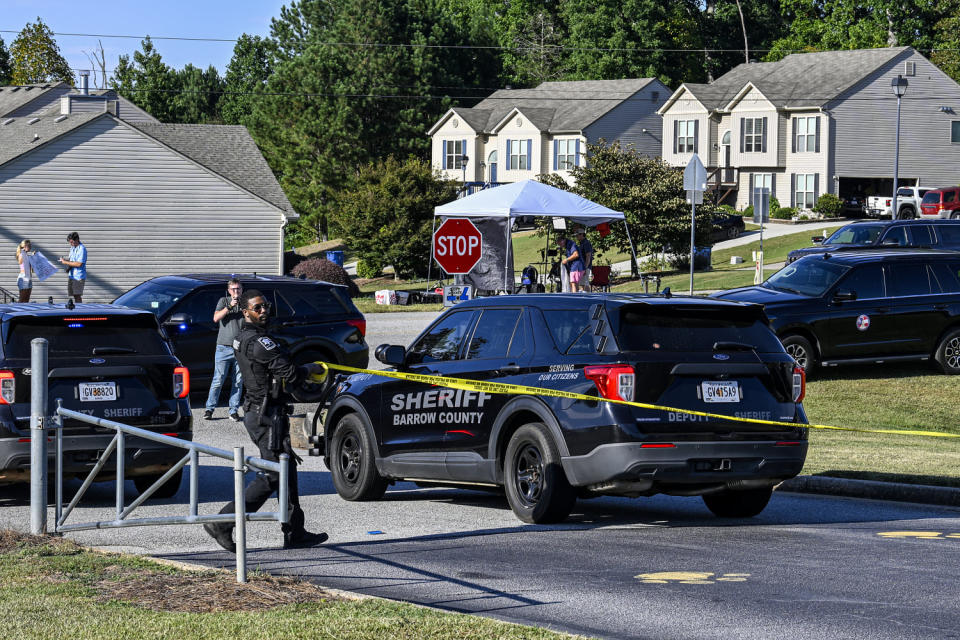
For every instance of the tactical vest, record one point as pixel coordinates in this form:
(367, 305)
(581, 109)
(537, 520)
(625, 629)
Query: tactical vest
(256, 376)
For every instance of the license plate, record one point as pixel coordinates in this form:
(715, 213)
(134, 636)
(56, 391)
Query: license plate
(720, 391)
(98, 391)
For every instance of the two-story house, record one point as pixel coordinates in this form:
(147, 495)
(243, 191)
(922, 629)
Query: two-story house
(516, 134)
(816, 123)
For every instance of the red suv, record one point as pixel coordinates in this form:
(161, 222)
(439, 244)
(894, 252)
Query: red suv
(941, 203)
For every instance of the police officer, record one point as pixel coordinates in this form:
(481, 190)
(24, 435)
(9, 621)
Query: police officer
(270, 380)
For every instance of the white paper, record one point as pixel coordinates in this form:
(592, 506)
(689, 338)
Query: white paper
(42, 267)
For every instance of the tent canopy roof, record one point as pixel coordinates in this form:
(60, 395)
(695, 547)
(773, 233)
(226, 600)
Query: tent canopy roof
(528, 198)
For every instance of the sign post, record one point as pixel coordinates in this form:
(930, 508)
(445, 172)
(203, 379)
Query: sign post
(457, 245)
(761, 214)
(695, 183)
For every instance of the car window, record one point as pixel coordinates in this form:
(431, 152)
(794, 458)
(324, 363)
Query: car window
(904, 192)
(442, 341)
(949, 196)
(945, 277)
(201, 304)
(521, 338)
(865, 281)
(82, 335)
(932, 197)
(566, 325)
(949, 233)
(154, 296)
(907, 280)
(808, 276)
(921, 234)
(494, 332)
(895, 235)
(680, 328)
(310, 302)
(856, 234)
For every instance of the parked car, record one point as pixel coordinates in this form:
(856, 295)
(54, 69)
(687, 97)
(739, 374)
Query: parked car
(908, 203)
(315, 320)
(523, 222)
(859, 307)
(726, 226)
(941, 203)
(104, 361)
(689, 353)
(854, 206)
(937, 234)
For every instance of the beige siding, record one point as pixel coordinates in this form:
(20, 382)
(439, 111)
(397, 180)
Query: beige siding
(518, 127)
(686, 107)
(754, 105)
(140, 209)
(475, 147)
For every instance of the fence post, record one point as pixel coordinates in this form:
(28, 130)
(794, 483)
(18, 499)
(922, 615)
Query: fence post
(240, 510)
(38, 436)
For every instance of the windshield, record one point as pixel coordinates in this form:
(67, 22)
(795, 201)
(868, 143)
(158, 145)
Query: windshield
(154, 296)
(810, 276)
(856, 234)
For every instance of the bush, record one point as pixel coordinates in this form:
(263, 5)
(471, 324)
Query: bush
(784, 213)
(726, 208)
(369, 268)
(748, 212)
(321, 269)
(829, 205)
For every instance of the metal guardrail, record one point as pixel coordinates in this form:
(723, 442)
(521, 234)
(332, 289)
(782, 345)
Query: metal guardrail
(40, 424)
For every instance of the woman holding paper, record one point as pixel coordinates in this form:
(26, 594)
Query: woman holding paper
(25, 279)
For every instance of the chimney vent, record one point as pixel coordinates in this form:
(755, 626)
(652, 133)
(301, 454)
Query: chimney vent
(84, 82)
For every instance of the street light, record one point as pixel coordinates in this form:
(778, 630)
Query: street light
(464, 162)
(899, 85)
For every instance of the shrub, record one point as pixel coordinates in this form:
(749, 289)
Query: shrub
(369, 268)
(784, 213)
(726, 208)
(829, 205)
(321, 269)
(748, 212)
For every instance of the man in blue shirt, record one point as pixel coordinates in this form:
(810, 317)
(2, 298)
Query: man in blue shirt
(77, 263)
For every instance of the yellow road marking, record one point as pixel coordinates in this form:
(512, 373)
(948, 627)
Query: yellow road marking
(923, 535)
(689, 577)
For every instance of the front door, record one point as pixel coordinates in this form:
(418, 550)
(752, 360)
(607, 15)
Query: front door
(492, 161)
(195, 341)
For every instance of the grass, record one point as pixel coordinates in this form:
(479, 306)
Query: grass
(52, 588)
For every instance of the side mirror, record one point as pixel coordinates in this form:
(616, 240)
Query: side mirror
(817, 239)
(391, 354)
(892, 242)
(842, 296)
(179, 319)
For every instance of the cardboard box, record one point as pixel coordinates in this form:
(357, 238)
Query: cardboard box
(388, 296)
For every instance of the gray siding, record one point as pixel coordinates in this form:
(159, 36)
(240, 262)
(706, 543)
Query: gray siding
(141, 209)
(626, 121)
(866, 121)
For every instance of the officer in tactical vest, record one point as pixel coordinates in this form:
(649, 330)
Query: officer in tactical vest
(270, 381)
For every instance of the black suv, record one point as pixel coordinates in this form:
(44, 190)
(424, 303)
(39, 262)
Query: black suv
(690, 353)
(940, 234)
(104, 361)
(315, 320)
(865, 306)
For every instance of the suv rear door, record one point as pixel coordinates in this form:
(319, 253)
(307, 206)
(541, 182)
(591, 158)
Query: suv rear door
(919, 308)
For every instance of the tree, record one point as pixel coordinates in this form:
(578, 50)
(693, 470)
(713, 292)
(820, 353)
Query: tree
(388, 213)
(247, 74)
(533, 34)
(196, 102)
(35, 57)
(5, 72)
(147, 82)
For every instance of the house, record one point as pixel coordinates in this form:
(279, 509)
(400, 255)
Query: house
(147, 198)
(516, 134)
(816, 123)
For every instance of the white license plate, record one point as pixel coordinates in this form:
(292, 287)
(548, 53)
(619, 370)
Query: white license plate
(98, 391)
(720, 391)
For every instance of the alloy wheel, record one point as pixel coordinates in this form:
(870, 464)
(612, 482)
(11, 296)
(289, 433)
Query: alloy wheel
(799, 354)
(528, 471)
(951, 353)
(350, 459)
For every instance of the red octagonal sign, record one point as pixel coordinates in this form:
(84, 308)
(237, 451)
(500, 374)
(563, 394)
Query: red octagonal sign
(457, 245)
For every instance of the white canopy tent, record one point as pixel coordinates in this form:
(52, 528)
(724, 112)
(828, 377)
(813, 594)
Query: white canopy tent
(529, 198)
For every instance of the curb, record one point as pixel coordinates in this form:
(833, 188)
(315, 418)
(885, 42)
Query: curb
(873, 490)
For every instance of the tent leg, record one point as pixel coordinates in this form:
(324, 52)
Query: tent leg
(507, 276)
(433, 229)
(546, 258)
(634, 267)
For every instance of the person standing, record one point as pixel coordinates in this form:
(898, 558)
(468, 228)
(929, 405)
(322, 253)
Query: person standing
(77, 263)
(574, 263)
(270, 381)
(227, 315)
(25, 279)
(586, 254)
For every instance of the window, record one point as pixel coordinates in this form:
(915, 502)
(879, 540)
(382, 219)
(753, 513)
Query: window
(908, 280)
(442, 340)
(806, 190)
(567, 325)
(752, 134)
(686, 136)
(806, 277)
(922, 235)
(518, 154)
(566, 154)
(494, 332)
(201, 304)
(945, 277)
(453, 151)
(806, 133)
(896, 236)
(856, 234)
(955, 131)
(949, 196)
(762, 181)
(689, 329)
(866, 282)
(310, 302)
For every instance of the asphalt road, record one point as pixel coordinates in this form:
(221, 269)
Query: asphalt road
(662, 567)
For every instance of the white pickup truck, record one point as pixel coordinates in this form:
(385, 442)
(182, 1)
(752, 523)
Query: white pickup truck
(908, 203)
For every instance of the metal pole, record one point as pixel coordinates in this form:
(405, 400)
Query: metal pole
(58, 423)
(121, 461)
(240, 521)
(693, 229)
(38, 436)
(635, 267)
(508, 276)
(894, 214)
(433, 229)
(194, 481)
(283, 493)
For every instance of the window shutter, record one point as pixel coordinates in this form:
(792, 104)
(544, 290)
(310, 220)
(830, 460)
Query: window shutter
(743, 128)
(576, 157)
(793, 135)
(529, 153)
(676, 134)
(751, 188)
(773, 185)
(696, 136)
(793, 189)
(443, 154)
(508, 156)
(556, 151)
(817, 143)
(763, 143)
(816, 188)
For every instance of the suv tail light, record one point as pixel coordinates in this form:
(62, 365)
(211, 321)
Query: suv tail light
(360, 324)
(181, 382)
(614, 381)
(799, 383)
(8, 387)
(889, 201)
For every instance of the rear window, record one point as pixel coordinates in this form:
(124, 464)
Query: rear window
(87, 335)
(309, 302)
(680, 328)
(931, 197)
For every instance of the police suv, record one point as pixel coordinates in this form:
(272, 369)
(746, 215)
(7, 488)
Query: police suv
(694, 354)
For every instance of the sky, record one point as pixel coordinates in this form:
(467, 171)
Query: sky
(225, 19)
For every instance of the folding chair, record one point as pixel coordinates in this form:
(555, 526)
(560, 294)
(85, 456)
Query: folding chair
(601, 278)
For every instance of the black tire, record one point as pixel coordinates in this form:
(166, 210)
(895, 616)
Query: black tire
(535, 484)
(955, 215)
(738, 504)
(803, 352)
(907, 213)
(352, 464)
(515, 226)
(732, 233)
(948, 353)
(167, 490)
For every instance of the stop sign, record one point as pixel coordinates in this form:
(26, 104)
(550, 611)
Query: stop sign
(457, 245)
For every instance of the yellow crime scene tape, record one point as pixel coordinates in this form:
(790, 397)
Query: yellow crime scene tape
(518, 389)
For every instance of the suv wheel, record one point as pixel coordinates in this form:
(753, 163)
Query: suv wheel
(536, 487)
(352, 465)
(948, 353)
(738, 504)
(803, 352)
(166, 490)
(907, 213)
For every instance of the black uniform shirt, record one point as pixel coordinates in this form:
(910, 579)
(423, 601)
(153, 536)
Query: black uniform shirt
(259, 357)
